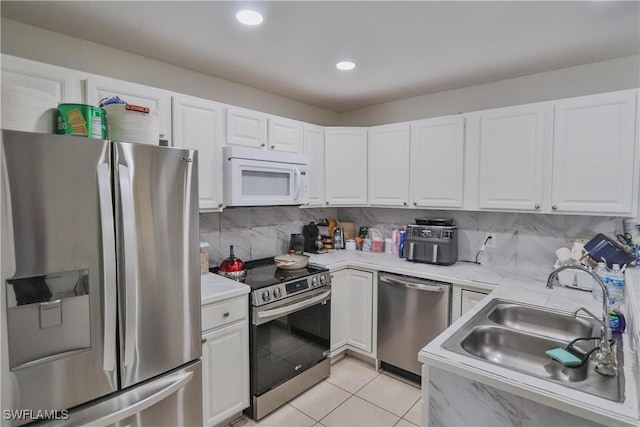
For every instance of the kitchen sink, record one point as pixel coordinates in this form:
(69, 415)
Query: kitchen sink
(547, 323)
(515, 336)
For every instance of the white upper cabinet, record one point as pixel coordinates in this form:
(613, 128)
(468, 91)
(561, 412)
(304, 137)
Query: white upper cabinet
(254, 129)
(284, 134)
(61, 83)
(345, 168)
(511, 157)
(313, 146)
(157, 100)
(389, 154)
(246, 127)
(595, 155)
(437, 162)
(199, 124)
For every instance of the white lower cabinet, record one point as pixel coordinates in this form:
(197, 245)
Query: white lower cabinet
(225, 360)
(352, 311)
(463, 300)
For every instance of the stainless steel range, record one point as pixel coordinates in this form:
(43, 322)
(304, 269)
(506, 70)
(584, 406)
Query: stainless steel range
(289, 332)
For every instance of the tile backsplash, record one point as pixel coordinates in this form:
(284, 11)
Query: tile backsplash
(526, 241)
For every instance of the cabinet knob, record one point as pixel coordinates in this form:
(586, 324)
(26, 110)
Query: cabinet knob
(537, 206)
(225, 314)
(220, 205)
(554, 207)
(326, 203)
(263, 145)
(204, 340)
(272, 147)
(404, 203)
(415, 203)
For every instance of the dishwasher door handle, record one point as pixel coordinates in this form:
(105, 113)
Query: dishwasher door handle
(412, 285)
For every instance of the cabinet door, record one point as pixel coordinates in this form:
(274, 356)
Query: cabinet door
(247, 128)
(61, 83)
(284, 134)
(345, 168)
(389, 154)
(595, 157)
(469, 299)
(512, 142)
(157, 100)
(437, 162)
(361, 310)
(225, 370)
(340, 306)
(313, 146)
(198, 124)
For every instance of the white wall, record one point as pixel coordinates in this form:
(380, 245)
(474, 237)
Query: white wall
(605, 76)
(37, 44)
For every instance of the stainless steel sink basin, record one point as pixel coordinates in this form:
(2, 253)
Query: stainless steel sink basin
(550, 324)
(519, 351)
(515, 336)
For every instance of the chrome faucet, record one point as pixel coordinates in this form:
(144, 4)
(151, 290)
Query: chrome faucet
(604, 356)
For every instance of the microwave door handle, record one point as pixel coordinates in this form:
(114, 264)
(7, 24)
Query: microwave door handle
(129, 256)
(298, 183)
(109, 266)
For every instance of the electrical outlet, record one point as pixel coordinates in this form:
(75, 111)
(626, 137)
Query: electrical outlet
(491, 242)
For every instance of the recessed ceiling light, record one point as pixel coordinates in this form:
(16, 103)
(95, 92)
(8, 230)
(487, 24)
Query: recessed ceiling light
(345, 65)
(249, 17)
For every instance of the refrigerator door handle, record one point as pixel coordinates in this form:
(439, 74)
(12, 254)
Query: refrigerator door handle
(109, 266)
(130, 267)
(104, 416)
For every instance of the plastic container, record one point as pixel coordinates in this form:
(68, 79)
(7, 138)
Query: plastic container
(81, 120)
(350, 245)
(616, 287)
(602, 271)
(366, 245)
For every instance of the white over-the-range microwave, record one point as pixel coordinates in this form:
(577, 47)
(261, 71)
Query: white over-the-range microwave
(255, 177)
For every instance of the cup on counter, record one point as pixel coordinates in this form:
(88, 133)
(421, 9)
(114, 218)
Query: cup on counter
(350, 245)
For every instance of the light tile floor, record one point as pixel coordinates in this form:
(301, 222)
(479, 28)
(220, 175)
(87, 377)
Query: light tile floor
(354, 395)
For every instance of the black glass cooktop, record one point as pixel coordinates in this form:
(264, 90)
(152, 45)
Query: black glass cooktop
(263, 272)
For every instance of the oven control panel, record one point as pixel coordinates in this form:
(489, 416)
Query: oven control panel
(284, 290)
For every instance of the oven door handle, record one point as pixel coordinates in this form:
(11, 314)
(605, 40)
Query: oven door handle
(265, 316)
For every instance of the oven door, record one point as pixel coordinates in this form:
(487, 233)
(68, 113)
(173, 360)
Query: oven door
(289, 337)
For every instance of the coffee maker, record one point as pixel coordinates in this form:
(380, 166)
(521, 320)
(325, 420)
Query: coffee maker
(311, 233)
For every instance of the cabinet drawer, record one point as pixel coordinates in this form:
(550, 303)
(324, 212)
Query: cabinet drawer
(223, 313)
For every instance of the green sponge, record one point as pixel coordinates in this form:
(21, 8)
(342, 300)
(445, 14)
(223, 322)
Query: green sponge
(563, 356)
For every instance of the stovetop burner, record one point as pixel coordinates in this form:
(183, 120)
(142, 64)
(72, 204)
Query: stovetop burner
(263, 272)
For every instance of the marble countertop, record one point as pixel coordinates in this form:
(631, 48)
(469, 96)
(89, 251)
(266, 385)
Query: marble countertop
(546, 392)
(521, 286)
(217, 288)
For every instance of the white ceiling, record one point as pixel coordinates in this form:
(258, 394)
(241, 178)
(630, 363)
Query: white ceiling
(401, 49)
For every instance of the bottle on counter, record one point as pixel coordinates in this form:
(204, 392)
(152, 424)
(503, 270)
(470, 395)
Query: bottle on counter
(204, 258)
(602, 271)
(401, 247)
(616, 287)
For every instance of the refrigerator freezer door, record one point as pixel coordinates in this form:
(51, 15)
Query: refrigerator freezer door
(158, 259)
(174, 399)
(57, 267)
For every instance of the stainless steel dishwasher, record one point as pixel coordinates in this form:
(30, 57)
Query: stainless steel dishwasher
(411, 312)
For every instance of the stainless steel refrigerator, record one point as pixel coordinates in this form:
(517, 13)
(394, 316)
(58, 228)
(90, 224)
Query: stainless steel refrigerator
(101, 281)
